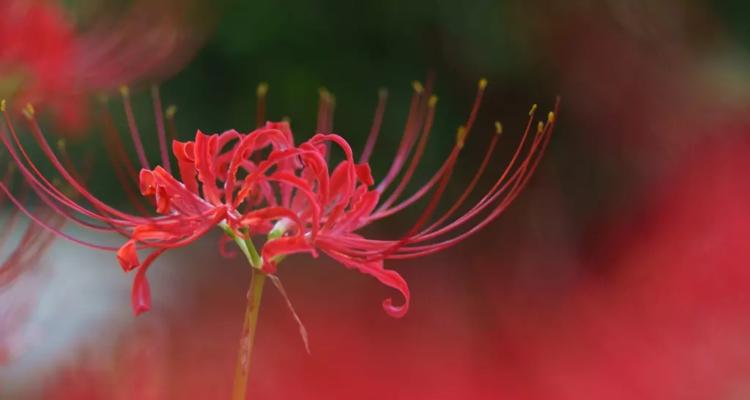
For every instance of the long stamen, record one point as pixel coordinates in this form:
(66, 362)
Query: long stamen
(100, 205)
(377, 123)
(417, 155)
(171, 126)
(133, 127)
(427, 213)
(45, 225)
(501, 186)
(481, 86)
(474, 180)
(483, 203)
(407, 139)
(160, 129)
(35, 179)
(519, 179)
(326, 105)
(260, 106)
(116, 147)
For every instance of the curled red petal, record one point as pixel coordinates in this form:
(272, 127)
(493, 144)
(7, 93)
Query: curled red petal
(375, 269)
(146, 180)
(364, 173)
(184, 152)
(141, 293)
(127, 256)
(140, 296)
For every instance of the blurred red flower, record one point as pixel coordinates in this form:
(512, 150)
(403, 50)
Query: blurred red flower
(46, 60)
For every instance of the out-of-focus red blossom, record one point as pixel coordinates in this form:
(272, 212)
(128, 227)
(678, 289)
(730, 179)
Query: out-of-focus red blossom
(669, 319)
(45, 60)
(263, 184)
(37, 54)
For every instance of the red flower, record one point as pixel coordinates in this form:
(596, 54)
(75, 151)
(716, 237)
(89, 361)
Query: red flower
(263, 185)
(44, 60)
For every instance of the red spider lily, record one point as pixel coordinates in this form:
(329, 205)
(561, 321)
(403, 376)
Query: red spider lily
(45, 60)
(262, 184)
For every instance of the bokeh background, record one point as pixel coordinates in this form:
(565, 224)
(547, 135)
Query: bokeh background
(621, 272)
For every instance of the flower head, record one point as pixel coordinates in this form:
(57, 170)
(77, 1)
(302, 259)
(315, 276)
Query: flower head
(262, 186)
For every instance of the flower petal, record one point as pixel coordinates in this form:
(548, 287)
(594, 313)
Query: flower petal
(375, 269)
(141, 294)
(127, 256)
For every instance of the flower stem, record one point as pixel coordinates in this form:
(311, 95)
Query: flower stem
(245, 350)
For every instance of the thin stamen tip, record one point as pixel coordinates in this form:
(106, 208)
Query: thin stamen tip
(29, 111)
(533, 110)
(2, 105)
(432, 101)
(482, 84)
(61, 145)
(124, 91)
(417, 86)
(262, 89)
(551, 117)
(382, 93)
(171, 111)
(498, 128)
(460, 136)
(325, 95)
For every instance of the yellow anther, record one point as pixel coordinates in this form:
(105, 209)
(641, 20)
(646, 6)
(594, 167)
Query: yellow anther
(61, 145)
(325, 95)
(498, 128)
(262, 89)
(482, 84)
(2, 105)
(460, 136)
(417, 86)
(432, 101)
(533, 110)
(540, 127)
(551, 117)
(171, 111)
(124, 91)
(28, 111)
